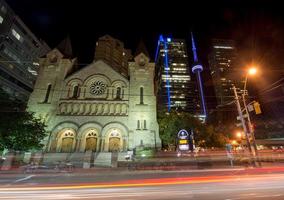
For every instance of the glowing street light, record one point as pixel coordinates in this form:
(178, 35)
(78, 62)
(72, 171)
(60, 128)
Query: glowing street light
(252, 71)
(248, 131)
(239, 135)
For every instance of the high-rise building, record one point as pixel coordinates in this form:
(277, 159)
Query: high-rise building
(19, 51)
(224, 72)
(112, 52)
(222, 63)
(174, 85)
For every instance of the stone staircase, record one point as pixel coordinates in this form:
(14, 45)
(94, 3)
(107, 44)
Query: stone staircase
(103, 159)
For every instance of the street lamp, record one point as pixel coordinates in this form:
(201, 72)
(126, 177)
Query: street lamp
(247, 130)
(239, 135)
(251, 71)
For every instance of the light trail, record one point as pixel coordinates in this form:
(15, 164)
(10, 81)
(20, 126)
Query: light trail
(148, 182)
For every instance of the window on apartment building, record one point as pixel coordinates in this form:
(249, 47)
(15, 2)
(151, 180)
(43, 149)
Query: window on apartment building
(47, 93)
(17, 35)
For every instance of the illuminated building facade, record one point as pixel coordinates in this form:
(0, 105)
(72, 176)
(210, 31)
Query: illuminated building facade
(174, 85)
(96, 108)
(19, 53)
(222, 63)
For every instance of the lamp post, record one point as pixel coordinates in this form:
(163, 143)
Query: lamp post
(242, 119)
(251, 71)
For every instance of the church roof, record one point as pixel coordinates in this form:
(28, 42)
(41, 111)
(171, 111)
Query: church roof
(141, 49)
(65, 47)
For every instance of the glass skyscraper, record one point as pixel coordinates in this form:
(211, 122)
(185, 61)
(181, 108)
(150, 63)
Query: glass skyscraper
(174, 85)
(222, 63)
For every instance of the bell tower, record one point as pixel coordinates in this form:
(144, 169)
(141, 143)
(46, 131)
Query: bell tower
(142, 101)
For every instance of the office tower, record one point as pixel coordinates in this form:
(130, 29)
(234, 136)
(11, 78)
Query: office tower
(174, 85)
(19, 51)
(222, 63)
(112, 51)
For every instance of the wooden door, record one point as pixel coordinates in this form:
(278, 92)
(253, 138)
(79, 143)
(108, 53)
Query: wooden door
(114, 144)
(91, 144)
(67, 144)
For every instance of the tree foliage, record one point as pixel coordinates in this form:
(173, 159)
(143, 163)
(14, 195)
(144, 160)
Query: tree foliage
(204, 134)
(19, 129)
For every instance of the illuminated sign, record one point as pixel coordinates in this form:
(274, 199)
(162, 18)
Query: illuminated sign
(184, 147)
(183, 141)
(183, 134)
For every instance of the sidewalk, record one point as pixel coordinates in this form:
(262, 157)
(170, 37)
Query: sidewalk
(145, 169)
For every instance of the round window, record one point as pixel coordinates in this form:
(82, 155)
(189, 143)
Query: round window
(98, 88)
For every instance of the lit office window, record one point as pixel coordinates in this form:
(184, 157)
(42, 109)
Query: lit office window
(16, 35)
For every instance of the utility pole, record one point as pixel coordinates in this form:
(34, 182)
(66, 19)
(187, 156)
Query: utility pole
(243, 122)
(251, 131)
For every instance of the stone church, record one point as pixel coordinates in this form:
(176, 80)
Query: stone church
(106, 106)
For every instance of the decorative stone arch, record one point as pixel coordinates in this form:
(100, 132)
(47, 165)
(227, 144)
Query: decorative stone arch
(55, 140)
(74, 87)
(74, 81)
(96, 77)
(83, 134)
(90, 140)
(118, 86)
(120, 83)
(121, 132)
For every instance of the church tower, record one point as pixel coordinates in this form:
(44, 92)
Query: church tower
(142, 106)
(48, 89)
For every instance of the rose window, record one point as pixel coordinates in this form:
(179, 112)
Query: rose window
(98, 88)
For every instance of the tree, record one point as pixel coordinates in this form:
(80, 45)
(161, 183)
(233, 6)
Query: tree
(19, 129)
(171, 123)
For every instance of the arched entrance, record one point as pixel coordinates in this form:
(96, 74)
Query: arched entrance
(91, 141)
(67, 141)
(115, 143)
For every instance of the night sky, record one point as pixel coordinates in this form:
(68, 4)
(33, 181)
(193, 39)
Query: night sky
(257, 26)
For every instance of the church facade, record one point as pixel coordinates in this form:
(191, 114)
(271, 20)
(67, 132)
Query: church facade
(95, 108)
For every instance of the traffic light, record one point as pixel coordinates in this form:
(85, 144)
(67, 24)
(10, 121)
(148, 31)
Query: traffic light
(257, 109)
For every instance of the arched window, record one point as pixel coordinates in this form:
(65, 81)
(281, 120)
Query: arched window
(75, 91)
(47, 93)
(118, 93)
(141, 95)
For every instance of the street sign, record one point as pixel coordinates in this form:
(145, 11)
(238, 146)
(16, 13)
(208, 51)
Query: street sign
(183, 140)
(244, 116)
(250, 108)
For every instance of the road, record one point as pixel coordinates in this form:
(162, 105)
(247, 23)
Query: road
(207, 184)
